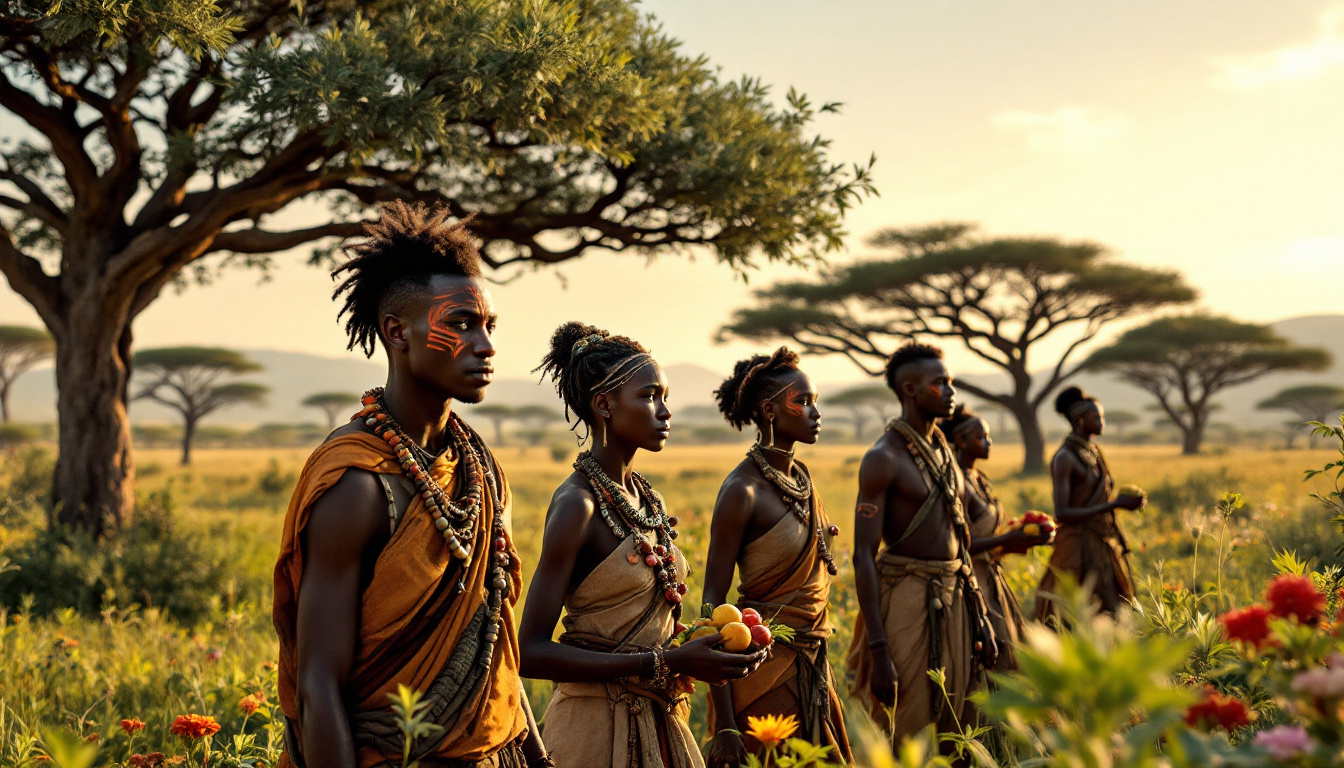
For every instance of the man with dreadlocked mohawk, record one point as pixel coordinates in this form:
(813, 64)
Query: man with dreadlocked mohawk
(608, 559)
(919, 601)
(1090, 547)
(397, 565)
(769, 522)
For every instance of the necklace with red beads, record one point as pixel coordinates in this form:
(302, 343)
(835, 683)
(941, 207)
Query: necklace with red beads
(620, 515)
(797, 494)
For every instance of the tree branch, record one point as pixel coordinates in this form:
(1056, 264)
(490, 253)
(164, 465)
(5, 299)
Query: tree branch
(264, 241)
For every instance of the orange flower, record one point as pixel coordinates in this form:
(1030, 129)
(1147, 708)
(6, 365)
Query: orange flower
(251, 703)
(132, 725)
(194, 726)
(771, 729)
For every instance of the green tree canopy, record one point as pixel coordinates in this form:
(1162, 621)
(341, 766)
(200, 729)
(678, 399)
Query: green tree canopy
(996, 297)
(498, 415)
(332, 404)
(873, 401)
(1185, 361)
(164, 139)
(1309, 402)
(21, 348)
(186, 379)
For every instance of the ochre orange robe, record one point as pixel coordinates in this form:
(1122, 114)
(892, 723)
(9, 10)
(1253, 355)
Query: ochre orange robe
(782, 576)
(415, 628)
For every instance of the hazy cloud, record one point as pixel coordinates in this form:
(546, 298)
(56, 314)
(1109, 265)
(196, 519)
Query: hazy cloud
(1069, 130)
(1290, 63)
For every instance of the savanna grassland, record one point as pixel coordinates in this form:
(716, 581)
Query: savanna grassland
(82, 674)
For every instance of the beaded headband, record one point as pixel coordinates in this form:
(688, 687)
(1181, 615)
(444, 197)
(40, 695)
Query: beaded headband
(582, 345)
(1076, 410)
(966, 425)
(622, 372)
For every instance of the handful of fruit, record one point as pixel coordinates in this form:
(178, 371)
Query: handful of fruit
(1131, 489)
(741, 629)
(1034, 523)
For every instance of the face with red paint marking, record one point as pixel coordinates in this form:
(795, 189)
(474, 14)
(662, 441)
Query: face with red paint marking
(446, 337)
(927, 385)
(797, 418)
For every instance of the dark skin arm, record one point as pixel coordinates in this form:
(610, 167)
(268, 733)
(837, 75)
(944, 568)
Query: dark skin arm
(733, 512)
(570, 522)
(1068, 473)
(346, 523)
(1015, 540)
(876, 474)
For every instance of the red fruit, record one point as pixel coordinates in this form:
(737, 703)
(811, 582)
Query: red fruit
(750, 617)
(651, 561)
(760, 635)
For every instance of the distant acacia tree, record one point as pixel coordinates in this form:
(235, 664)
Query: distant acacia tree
(998, 298)
(162, 140)
(874, 401)
(20, 349)
(186, 379)
(333, 404)
(1309, 402)
(498, 415)
(1185, 361)
(1120, 419)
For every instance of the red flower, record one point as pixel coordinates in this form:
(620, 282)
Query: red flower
(251, 703)
(1250, 625)
(194, 726)
(132, 725)
(1217, 710)
(1292, 595)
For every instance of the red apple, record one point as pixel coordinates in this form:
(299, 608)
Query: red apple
(760, 635)
(750, 617)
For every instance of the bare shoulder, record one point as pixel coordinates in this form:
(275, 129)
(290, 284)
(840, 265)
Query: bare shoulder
(741, 485)
(352, 427)
(349, 514)
(885, 455)
(573, 501)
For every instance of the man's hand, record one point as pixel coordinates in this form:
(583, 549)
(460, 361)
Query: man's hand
(989, 649)
(883, 683)
(727, 750)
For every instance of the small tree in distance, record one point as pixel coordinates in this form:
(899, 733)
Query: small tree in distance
(998, 298)
(185, 379)
(20, 349)
(498, 414)
(333, 404)
(1184, 361)
(861, 403)
(1120, 419)
(1309, 402)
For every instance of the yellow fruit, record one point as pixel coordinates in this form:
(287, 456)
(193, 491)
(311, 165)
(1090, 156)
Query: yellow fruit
(736, 636)
(726, 614)
(702, 623)
(1031, 529)
(675, 643)
(703, 632)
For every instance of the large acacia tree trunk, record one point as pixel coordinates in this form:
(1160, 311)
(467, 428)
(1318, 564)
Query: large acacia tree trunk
(1193, 437)
(1033, 440)
(94, 480)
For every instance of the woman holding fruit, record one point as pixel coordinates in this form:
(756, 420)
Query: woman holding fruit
(969, 435)
(770, 524)
(608, 559)
(1090, 547)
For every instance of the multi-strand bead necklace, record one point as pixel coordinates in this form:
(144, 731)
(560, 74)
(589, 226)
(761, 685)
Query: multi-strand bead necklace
(797, 493)
(622, 517)
(455, 519)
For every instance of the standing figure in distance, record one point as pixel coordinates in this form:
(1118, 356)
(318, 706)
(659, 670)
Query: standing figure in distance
(608, 559)
(969, 435)
(769, 521)
(919, 602)
(397, 565)
(1090, 546)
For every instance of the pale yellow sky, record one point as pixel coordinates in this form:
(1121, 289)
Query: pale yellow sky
(1205, 135)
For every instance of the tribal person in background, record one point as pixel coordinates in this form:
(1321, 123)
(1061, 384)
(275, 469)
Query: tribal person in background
(1090, 546)
(609, 561)
(919, 603)
(397, 564)
(770, 523)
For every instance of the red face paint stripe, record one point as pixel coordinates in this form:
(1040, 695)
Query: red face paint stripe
(444, 338)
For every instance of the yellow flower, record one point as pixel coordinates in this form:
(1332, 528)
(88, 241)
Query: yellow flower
(771, 729)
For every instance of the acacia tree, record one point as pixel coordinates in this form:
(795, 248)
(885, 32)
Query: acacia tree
(20, 349)
(999, 298)
(1185, 361)
(874, 400)
(497, 414)
(333, 404)
(186, 379)
(1309, 402)
(1120, 419)
(164, 138)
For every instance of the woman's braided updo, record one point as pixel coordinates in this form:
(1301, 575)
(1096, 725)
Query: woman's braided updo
(584, 361)
(755, 380)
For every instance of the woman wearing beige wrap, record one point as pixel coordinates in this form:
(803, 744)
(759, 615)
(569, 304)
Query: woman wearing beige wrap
(970, 439)
(608, 559)
(769, 521)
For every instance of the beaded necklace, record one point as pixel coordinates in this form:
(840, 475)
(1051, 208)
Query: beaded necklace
(797, 495)
(455, 519)
(620, 515)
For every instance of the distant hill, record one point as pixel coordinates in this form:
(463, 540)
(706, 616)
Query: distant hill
(293, 376)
